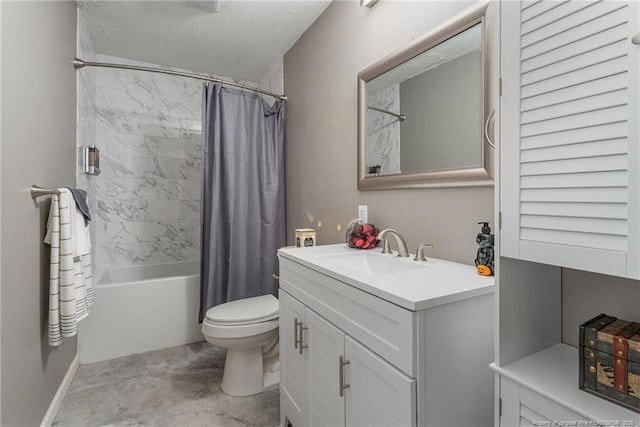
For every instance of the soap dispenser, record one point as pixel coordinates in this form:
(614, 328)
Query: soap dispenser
(484, 257)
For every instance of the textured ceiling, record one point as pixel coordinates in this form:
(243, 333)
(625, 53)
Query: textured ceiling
(240, 41)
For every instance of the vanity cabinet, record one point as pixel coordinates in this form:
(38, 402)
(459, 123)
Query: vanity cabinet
(570, 134)
(350, 356)
(341, 381)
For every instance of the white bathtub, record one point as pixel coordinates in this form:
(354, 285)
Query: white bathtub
(140, 309)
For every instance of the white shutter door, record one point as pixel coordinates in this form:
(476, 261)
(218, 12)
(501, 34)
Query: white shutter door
(293, 377)
(326, 345)
(566, 132)
(379, 394)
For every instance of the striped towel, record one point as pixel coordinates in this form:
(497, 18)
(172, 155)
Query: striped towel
(70, 283)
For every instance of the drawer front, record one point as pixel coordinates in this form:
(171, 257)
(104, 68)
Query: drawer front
(385, 328)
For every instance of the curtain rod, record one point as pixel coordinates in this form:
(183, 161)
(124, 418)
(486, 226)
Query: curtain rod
(79, 63)
(400, 117)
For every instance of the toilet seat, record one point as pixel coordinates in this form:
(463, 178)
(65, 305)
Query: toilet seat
(247, 311)
(214, 330)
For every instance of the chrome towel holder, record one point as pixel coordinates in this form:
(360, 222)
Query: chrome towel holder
(39, 191)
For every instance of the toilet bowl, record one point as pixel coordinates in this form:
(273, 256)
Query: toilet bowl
(248, 329)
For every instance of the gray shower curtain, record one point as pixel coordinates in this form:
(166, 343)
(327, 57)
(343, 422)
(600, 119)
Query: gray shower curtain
(243, 211)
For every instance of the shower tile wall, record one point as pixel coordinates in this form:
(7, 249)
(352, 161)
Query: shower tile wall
(146, 201)
(147, 128)
(86, 119)
(383, 130)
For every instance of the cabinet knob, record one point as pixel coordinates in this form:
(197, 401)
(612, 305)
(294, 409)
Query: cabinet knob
(636, 39)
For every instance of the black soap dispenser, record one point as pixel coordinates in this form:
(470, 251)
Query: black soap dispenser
(484, 258)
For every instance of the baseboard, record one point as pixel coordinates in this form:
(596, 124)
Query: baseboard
(47, 421)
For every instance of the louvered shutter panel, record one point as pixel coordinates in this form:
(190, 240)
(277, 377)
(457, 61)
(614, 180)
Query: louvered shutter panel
(569, 140)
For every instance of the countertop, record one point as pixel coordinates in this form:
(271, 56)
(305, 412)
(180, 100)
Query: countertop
(415, 286)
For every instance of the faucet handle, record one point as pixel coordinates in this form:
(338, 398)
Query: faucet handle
(420, 251)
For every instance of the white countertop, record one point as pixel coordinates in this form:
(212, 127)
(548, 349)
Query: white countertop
(402, 281)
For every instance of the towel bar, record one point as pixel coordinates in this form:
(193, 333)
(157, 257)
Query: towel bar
(39, 191)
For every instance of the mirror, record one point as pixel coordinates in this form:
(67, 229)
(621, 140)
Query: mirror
(424, 112)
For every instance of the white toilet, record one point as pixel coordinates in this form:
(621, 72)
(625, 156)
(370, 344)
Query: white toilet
(248, 329)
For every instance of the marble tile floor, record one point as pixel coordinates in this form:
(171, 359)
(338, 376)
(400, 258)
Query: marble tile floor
(177, 386)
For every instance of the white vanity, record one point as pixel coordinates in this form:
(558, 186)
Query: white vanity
(374, 339)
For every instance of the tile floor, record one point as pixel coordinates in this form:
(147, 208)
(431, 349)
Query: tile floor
(177, 386)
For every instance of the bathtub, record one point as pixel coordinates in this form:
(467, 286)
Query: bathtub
(140, 309)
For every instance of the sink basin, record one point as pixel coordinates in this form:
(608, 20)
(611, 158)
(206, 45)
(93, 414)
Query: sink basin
(372, 263)
(400, 280)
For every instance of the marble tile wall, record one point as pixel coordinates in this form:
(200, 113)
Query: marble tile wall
(383, 130)
(148, 130)
(146, 201)
(86, 114)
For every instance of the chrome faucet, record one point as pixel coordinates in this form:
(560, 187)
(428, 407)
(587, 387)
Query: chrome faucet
(402, 244)
(420, 251)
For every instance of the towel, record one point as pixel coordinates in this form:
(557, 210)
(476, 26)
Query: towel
(80, 197)
(70, 283)
(80, 231)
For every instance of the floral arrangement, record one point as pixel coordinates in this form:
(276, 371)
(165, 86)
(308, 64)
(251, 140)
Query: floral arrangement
(362, 236)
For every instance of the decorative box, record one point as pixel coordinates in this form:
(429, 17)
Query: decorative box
(305, 237)
(610, 360)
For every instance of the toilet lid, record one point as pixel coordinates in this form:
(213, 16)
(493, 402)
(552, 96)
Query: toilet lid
(243, 311)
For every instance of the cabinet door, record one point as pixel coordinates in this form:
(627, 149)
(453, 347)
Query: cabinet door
(569, 134)
(293, 397)
(379, 394)
(510, 396)
(523, 407)
(326, 345)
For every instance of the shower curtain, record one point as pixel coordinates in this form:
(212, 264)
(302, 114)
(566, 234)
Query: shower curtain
(243, 211)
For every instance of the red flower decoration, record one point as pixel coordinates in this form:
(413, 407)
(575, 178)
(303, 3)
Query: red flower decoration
(363, 237)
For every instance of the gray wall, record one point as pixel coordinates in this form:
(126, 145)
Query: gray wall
(585, 295)
(443, 129)
(321, 149)
(38, 147)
